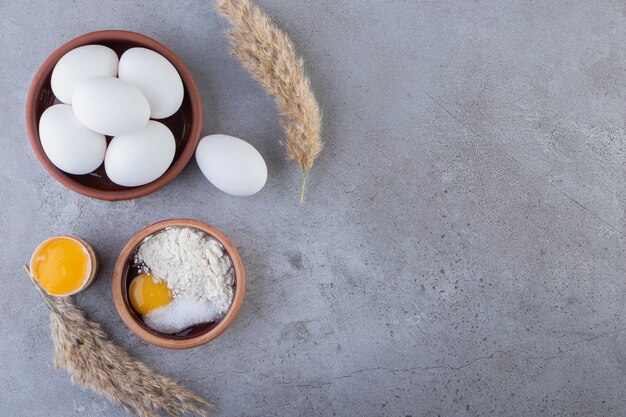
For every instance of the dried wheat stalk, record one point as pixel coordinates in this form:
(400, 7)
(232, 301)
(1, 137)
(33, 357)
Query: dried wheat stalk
(93, 360)
(269, 55)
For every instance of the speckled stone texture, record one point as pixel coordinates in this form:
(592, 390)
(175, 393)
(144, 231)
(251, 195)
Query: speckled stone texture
(461, 250)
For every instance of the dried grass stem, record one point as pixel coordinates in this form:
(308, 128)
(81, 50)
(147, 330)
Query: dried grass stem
(94, 361)
(270, 56)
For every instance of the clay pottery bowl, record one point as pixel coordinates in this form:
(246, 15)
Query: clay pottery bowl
(197, 335)
(185, 124)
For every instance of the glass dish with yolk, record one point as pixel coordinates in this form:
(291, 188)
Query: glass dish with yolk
(62, 265)
(147, 293)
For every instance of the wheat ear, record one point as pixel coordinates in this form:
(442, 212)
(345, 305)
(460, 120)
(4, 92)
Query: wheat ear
(270, 56)
(94, 361)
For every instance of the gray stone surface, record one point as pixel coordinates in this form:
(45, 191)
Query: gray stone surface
(461, 252)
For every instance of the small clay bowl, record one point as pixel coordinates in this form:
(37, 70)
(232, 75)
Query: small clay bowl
(93, 258)
(200, 334)
(185, 124)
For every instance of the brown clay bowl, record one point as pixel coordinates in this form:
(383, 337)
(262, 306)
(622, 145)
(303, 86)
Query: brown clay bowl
(197, 335)
(185, 124)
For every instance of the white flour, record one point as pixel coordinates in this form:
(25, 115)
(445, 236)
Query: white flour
(191, 263)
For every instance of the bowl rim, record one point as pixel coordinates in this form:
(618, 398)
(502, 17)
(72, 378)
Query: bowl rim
(123, 308)
(32, 123)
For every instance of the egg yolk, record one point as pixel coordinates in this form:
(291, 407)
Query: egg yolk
(147, 294)
(61, 265)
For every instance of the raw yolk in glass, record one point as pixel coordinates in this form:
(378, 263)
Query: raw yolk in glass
(147, 294)
(61, 265)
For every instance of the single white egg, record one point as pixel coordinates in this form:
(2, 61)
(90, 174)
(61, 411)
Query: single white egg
(140, 157)
(68, 144)
(155, 77)
(110, 106)
(79, 65)
(231, 164)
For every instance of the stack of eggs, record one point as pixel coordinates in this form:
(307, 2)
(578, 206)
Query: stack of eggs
(103, 95)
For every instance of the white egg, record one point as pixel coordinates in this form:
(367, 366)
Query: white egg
(140, 157)
(79, 65)
(155, 77)
(69, 145)
(231, 164)
(110, 106)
